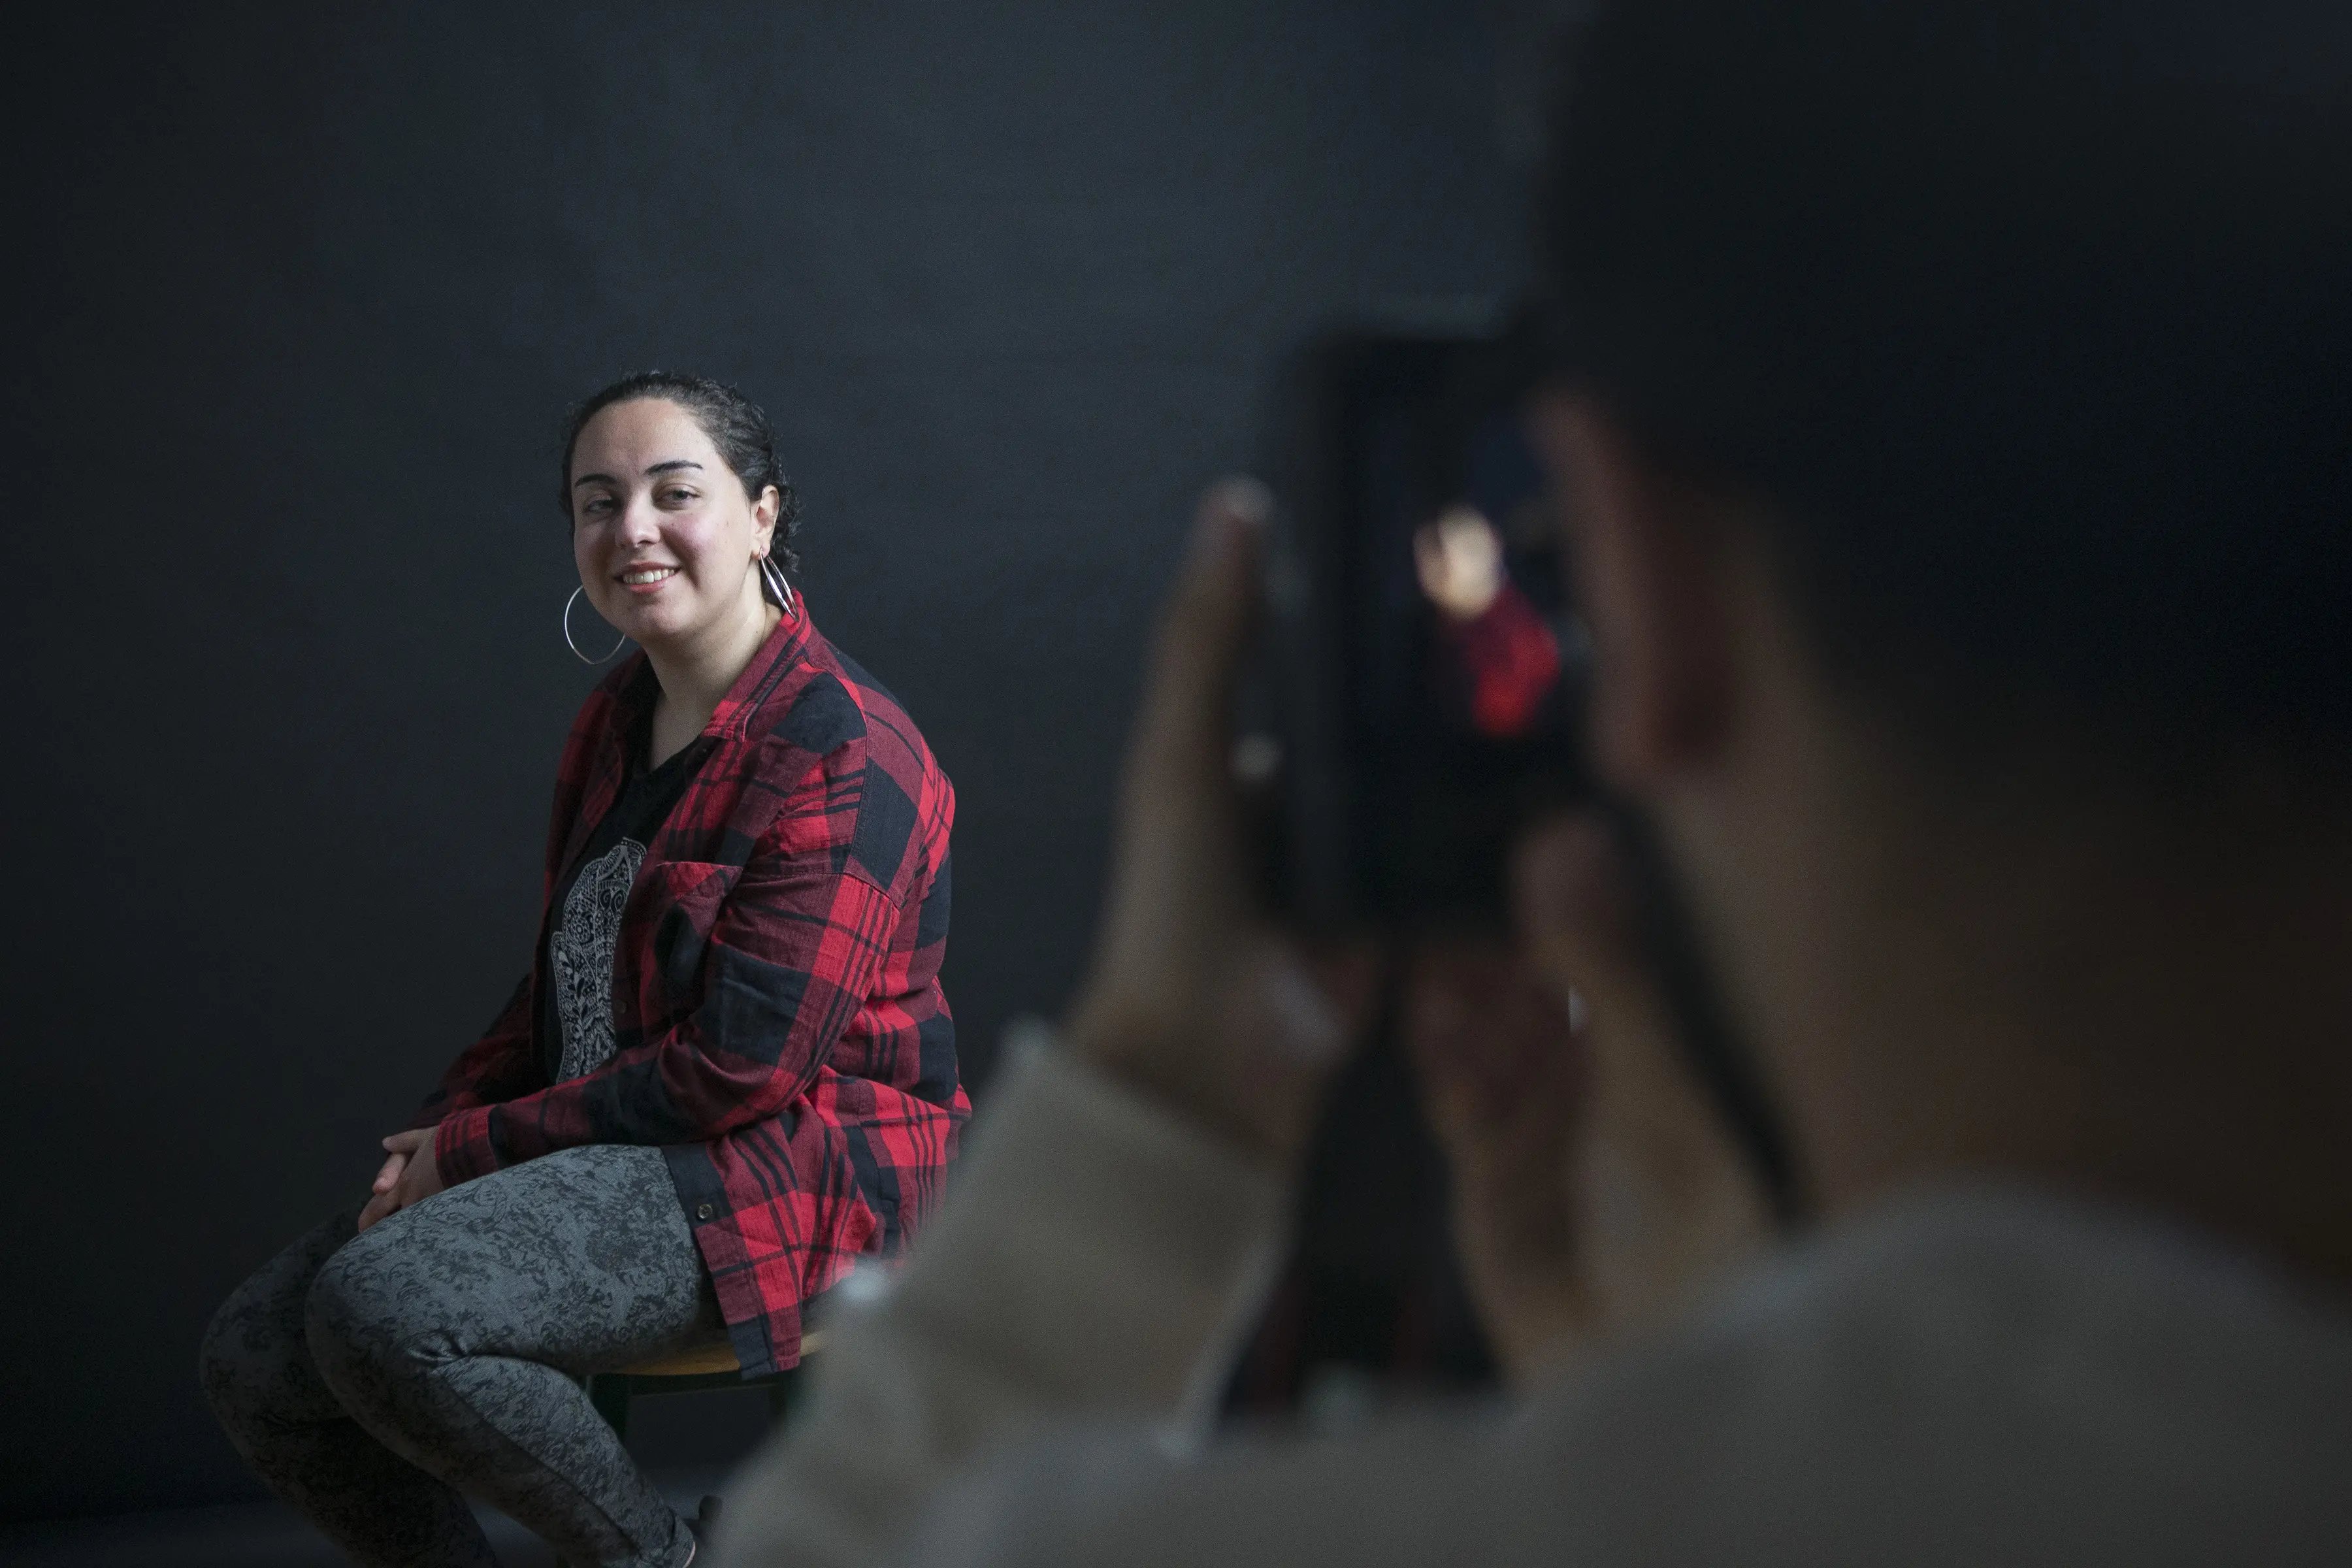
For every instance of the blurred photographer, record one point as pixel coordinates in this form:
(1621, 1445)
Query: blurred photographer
(1949, 409)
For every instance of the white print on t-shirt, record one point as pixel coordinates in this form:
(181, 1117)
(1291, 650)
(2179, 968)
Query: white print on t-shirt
(581, 950)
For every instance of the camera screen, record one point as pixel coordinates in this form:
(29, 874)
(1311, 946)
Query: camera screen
(1468, 661)
(1482, 612)
(1429, 670)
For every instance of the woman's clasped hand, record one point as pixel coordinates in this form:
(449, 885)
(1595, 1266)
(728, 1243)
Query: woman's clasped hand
(410, 1174)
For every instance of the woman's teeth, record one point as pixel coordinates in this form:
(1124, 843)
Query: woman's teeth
(650, 575)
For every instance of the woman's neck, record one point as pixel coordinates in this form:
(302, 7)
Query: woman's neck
(695, 676)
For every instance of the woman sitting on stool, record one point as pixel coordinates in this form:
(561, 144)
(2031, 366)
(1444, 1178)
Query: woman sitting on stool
(730, 1073)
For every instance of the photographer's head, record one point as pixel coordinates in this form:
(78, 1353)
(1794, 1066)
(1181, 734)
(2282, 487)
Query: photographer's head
(2025, 322)
(1952, 403)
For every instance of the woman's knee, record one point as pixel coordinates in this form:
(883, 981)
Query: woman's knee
(358, 1321)
(254, 1361)
(239, 1354)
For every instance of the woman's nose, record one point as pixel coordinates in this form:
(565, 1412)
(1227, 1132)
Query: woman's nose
(640, 523)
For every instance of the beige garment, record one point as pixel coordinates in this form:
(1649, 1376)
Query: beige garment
(1984, 1376)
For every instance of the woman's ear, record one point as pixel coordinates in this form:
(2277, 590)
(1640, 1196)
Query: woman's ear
(764, 519)
(1646, 564)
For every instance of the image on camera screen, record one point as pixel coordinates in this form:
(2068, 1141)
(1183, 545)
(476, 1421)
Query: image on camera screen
(1470, 659)
(1496, 655)
(1472, 639)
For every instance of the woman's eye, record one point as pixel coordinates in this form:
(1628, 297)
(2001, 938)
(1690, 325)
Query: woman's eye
(677, 497)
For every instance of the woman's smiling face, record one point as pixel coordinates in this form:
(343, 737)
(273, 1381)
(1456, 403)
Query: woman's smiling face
(666, 540)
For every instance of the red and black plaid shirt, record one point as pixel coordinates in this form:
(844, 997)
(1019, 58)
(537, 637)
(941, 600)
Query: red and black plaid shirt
(781, 1030)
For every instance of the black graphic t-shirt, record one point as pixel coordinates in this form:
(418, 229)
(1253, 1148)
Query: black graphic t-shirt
(575, 1011)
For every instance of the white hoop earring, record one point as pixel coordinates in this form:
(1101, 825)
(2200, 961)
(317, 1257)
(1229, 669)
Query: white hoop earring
(773, 576)
(567, 631)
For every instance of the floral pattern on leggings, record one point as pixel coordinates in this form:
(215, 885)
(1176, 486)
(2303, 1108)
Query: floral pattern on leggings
(362, 1374)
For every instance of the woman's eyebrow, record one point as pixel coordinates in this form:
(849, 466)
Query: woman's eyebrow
(673, 465)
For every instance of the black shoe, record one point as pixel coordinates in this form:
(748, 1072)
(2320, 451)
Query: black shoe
(702, 1524)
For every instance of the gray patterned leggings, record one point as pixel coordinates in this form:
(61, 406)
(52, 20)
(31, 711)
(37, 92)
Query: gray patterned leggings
(366, 1378)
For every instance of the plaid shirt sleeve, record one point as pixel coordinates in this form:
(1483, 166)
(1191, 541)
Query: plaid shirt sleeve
(793, 950)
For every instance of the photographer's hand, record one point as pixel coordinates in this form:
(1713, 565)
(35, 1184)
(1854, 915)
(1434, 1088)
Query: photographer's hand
(1194, 997)
(1506, 1085)
(1596, 1193)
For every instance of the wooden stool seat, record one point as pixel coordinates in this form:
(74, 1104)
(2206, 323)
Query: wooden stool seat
(704, 1369)
(707, 1361)
(700, 1361)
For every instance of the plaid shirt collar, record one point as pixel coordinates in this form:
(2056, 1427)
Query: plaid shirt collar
(731, 720)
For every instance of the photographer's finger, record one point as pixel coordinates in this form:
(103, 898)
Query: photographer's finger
(1574, 902)
(1203, 633)
(1459, 1063)
(1499, 1070)
(1347, 972)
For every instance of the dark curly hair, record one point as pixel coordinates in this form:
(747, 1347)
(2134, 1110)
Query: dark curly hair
(736, 425)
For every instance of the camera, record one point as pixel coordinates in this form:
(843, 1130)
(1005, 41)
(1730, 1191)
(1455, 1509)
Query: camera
(1424, 671)
(1424, 664)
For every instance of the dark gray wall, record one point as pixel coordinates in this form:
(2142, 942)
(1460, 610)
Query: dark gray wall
(309, 291)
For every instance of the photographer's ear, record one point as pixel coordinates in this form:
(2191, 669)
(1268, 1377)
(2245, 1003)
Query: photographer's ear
(1645, 560)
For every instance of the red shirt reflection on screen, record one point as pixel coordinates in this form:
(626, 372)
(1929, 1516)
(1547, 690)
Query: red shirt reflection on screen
(1511, 661)
(1495, 650)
